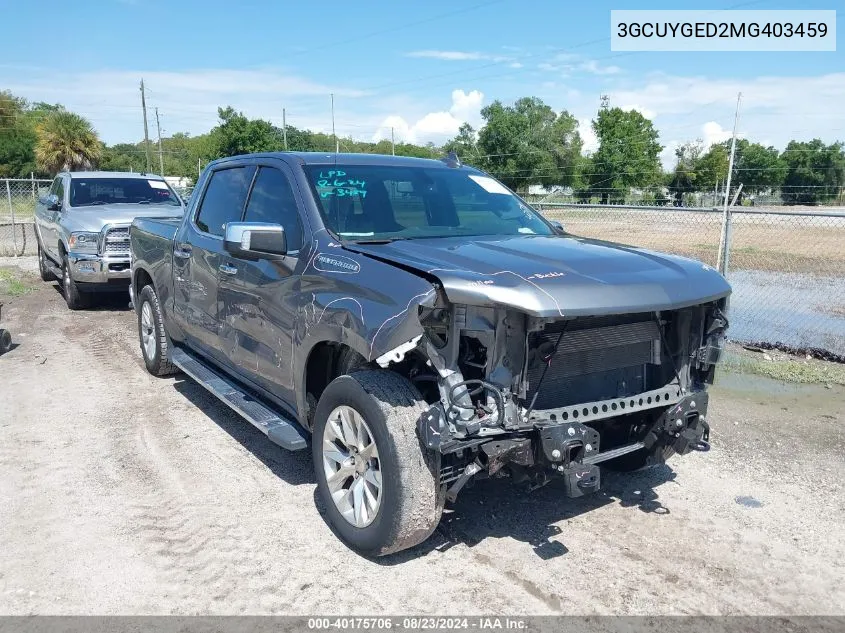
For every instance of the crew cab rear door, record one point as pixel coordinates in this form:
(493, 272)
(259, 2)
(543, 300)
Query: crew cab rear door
(259, 297)
(198, 252)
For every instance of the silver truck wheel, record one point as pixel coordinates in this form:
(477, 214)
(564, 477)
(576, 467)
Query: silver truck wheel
(75, 299)
(351, 466)
(380, 486)
(151, 334)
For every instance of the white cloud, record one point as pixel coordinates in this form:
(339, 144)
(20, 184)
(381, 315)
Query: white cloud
(187, 99)
(453, 56)
(646, 112)
(588, 136)
(435, 127)
(447, 55)
(712, 133)
(572, 63)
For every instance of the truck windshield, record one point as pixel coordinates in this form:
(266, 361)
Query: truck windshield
(86, 192)
(373, 203)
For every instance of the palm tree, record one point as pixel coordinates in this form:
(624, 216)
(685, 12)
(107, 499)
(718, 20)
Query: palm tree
(66, 141)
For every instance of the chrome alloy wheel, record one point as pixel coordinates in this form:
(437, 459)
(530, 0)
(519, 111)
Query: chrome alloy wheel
(148, 331)
(352, 467)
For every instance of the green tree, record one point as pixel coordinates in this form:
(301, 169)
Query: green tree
(628, 153)
(465, 146)
(757, 167)
(17, 138)
(236, 134)
(815, 172)
(66, 141)
(527, 143)
(684, 178)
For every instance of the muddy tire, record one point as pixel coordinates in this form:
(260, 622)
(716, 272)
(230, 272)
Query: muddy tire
(74, 297)
(151, 334)
(5, 341)
(43, 271)
(384, 500)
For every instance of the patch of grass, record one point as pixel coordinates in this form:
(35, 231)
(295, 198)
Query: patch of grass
(13, 284)
(783, 367)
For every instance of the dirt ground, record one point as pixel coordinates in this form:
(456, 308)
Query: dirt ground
(125, 494)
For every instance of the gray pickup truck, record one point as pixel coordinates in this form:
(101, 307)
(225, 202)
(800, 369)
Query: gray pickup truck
(82, 226)
(423, 327)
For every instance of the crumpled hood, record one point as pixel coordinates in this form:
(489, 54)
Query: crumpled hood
(94, 218)
(549, 276)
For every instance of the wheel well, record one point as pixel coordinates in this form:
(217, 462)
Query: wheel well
(327, 361)
(142, 278)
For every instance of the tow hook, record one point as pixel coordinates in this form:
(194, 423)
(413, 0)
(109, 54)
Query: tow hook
(565, 446)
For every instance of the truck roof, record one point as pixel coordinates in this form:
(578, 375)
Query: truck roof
(112, 174)
(330, 158)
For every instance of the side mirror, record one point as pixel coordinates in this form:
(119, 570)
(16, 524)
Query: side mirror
(255, 240)
(558, 226)
(50, 201)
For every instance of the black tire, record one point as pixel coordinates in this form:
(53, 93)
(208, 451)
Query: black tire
(5, 341)
(155, 359)
(46, 274)
(412, 498)
(74, 297)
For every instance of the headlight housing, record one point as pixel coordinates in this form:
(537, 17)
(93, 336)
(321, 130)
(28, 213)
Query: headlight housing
(84, 242)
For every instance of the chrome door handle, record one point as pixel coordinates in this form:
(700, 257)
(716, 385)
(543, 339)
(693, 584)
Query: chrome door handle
(228, 269)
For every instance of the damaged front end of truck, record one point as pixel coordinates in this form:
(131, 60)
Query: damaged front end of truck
(536, 397)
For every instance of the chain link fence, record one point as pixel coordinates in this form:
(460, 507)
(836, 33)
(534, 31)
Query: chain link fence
(787, 268)
(17, 212)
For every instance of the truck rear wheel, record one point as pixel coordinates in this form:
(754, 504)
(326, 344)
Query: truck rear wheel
(151, 334)
(380, 486)
(43, 270)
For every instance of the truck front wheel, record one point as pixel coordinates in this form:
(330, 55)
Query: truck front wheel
(151, 334)
(74, 297)
(380, 486)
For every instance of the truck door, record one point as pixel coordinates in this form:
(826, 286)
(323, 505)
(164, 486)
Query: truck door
(48, 220)
(197, 253)
(258, 297)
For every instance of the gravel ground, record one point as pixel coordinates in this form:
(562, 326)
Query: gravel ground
(125, 494)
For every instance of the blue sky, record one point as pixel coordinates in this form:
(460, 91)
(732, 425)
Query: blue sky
(421, 68)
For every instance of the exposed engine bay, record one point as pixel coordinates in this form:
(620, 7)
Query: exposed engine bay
(532, 398)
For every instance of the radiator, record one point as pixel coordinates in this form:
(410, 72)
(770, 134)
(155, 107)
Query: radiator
(598, 358)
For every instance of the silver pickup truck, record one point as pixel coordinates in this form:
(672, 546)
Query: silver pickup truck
(82, 226)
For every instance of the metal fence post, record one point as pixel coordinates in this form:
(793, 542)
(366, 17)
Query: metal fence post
(12, 212)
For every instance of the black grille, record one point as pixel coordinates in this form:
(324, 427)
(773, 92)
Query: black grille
(592, 363)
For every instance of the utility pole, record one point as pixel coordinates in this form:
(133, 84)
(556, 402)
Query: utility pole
(285, 128)
(160, 155)
(726, 219)
(146, 131)
(199, 168)
(392, 142)
(334, 134)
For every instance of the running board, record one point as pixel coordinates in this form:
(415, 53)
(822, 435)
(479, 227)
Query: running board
(611, 454)
(277, 429)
